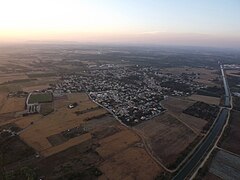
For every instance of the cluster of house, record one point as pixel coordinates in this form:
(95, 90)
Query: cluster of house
(132, 93)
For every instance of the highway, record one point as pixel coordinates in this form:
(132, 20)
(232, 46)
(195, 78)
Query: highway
(210, 139)
(226, 88)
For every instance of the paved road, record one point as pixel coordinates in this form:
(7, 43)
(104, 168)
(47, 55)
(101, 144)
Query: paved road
(226, 88)
(209, 140)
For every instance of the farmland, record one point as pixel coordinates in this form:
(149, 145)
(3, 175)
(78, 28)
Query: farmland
(13, 104)
(113, 140)
(12, 77)
(176, 106)
(232, 134)
(205, 99)
(35, 88)
(233, 72)
(167, 137)
(132, 163)
(40, 98)
(154, 113)
(61, 119)
(225, 166)
(118, 142)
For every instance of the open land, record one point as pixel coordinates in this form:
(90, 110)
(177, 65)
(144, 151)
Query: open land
(131, 163)
(13, 105)
(206, 99)
(225, 165)
(87, 142)
(233, 72)
(60, 120)
(232, 134)
(167, 137)
(175, 107)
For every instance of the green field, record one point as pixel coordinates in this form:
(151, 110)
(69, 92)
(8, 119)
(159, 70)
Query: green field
(40, 98)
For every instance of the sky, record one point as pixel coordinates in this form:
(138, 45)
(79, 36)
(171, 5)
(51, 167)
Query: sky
(170, 22)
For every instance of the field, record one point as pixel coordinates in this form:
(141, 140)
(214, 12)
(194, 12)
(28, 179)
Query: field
(175, 107)
(40, 98)
(203, 110)
(225, 166)
(232, 136)
(77, 161)
(206, 99)
(15, 150)
(233, 73)
(132, 163)
(167, 137)
(35, 88)
(66, 145)
(13, 104)
(11, 77)
(105, 146)
(61, 119)
(3, 98)
(210, 176)
(236, 103)
(118, 142)
(212, 91)
(46, 108)
(26, 121)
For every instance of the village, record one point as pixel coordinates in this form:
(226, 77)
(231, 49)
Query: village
(133, 94)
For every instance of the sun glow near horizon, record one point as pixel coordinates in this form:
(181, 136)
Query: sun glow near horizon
(122, 21)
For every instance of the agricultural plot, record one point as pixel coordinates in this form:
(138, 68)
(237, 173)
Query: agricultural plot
(35, 88)
(26, 121)
(210, 176)
(61, 120)
(40, 98)
(132, 163)
(46, 108)
(236, 103)
(212, 91)
(55, 123)
(116, 143)
(225, 166)
(64, 136)
(3, 98)
(77, 161)
(105, 145)
(101, 122)
(231, 137)
(81, 97)
(203, 111)
(72, 142)
(15, 150)
(175, 107)
(167, 137)
(7, 118)
(12, 77)
(205, 99)
(233, 72)
(13, 104)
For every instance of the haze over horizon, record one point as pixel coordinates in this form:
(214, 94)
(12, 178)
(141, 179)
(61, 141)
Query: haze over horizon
(193, 23)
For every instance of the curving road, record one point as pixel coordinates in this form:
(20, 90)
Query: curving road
(210, 139)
